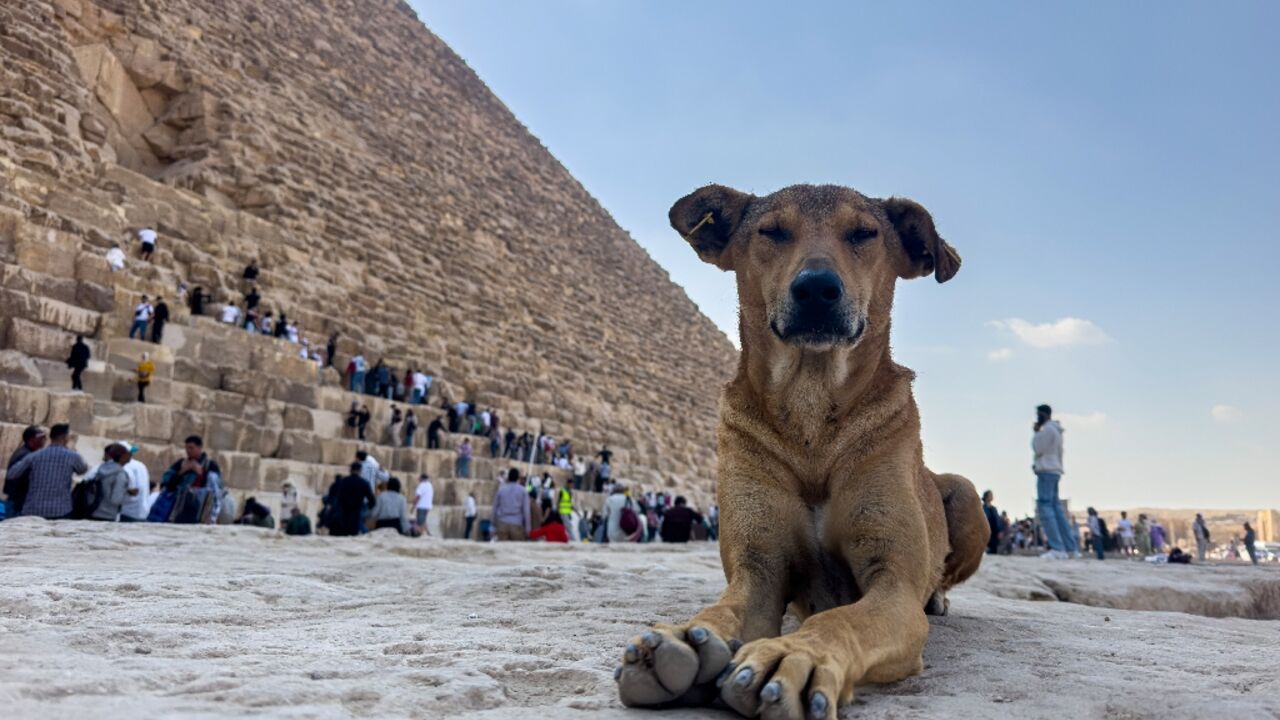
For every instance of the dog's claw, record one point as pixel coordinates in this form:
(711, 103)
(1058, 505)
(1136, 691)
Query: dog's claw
(744, 678)
(771, 692)
(617, 673)
(818, 706)
(651, 639)
(699, 635)
(632, 654)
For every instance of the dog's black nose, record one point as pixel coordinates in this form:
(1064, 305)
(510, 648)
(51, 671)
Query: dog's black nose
(816, 290)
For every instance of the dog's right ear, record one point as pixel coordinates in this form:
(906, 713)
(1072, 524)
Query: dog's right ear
(707, 218)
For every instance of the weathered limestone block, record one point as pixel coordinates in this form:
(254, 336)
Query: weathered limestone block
(46, 250)
(75, 409)
(294, 393)
(281, 362)
(37, 309)
(93, 296)
(407, 463)
(330, 424)
(152, 422)
(185, 424)
(246, 382)
(239, 470)
(197, 373)
(297, 417)
(300, 445)
(225, 433)
(338, 451)
(23, 405)
(19, 369)
(125, 353)
(111, 84)
(36, 340)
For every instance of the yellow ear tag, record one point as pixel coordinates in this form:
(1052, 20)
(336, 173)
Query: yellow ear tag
(707, 219)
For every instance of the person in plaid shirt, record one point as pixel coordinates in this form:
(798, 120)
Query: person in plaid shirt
(52, 469)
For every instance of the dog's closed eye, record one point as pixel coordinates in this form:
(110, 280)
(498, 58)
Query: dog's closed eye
(862, 234)
(775, 232)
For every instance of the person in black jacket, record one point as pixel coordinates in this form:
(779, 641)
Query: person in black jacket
(993, 522)
(197, 300)
(158, 320)
(349, 497)
(78, 361)
(433, 433)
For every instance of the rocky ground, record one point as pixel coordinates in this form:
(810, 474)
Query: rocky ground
(109, 621)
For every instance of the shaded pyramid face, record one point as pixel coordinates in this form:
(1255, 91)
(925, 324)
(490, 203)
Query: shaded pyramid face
(387, 195)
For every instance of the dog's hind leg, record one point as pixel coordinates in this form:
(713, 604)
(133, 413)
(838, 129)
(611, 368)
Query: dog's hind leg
(967, 532)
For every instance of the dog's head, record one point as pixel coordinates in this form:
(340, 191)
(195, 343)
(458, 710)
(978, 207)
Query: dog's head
(815, 263)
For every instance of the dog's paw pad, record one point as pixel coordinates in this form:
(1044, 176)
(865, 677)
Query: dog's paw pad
(662, 666)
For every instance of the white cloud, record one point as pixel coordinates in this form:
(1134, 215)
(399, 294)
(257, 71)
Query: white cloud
(1061, 333)
(1226, 413)
(1000, 354)
(1092, 420)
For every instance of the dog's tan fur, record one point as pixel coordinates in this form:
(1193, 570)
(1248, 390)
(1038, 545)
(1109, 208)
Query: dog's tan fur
(825, 502)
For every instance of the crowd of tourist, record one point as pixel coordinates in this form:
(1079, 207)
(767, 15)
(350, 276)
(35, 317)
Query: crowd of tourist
(1054, 533)
(41, 480)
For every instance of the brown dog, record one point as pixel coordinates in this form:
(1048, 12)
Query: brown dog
(826, 504)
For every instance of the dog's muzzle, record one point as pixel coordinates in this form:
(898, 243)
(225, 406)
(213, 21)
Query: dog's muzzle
(817, 311)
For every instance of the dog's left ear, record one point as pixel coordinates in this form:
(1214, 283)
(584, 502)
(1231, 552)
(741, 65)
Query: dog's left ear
(926, 251)
(707, 218)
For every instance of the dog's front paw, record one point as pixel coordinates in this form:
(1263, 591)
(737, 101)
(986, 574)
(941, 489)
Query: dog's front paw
(785, 679)
(672, 665)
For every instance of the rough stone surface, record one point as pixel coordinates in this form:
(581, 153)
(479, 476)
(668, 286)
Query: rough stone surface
(230, 622)
(388, 196)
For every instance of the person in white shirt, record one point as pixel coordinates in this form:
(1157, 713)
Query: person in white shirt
(291, 331)
(484, 419)
(1127, 537)
(469, 510)
(115, 258)
(369, 468)
(137, 501)
(303, 351)
(141, 316)
(230, 313)
(419, 388)
(147, 237)
(425, 494)
(1047, 465)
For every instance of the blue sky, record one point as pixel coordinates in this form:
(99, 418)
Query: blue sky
(1110, 173)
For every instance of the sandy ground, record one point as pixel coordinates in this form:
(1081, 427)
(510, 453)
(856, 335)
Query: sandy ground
(107, 621)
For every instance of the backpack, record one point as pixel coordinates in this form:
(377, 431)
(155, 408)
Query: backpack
(628, 520)
(162, 508)
(86, 496)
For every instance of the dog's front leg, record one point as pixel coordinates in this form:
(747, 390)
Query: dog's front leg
(880, 638)
(759, 529)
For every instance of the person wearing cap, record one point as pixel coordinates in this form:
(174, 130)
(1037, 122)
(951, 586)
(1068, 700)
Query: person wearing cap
(15, 485)
(137, 503)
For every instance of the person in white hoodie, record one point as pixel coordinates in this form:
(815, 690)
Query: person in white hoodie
(1047, 445)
